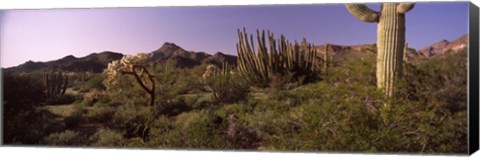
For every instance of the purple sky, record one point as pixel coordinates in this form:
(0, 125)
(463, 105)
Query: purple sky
(43, 35)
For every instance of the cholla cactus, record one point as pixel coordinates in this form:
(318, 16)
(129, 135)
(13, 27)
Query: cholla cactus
(390, 39)
(209, 71)
(131, 65)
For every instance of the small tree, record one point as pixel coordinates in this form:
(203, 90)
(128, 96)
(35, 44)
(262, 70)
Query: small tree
(134, 65)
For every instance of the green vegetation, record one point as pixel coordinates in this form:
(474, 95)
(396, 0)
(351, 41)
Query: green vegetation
(227, 85)
(197, 109)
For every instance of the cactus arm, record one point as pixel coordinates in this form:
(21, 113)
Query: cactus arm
(363, 13)
(403, 8)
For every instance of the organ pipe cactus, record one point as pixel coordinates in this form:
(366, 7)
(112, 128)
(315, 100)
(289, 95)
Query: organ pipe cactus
(390, 40)
(55, 83)
(279, 57)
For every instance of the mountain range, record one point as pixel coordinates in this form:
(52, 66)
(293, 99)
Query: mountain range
(97, 62)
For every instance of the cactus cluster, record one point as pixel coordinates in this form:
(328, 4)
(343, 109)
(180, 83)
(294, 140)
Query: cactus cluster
(390, 40)
(55, 83)
(278, 57)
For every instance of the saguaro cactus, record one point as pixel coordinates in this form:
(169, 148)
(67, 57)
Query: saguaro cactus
(390, 39)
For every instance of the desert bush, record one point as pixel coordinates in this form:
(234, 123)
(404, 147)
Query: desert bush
(196, 129)
(227, 86)
(67, 137)
(164, 134)
(74, 120)
(100, 113)
(344, 113)
(201, 130)
(21, 93)
(174, 107)
(22, 124)
(131, 120)
(61, 99)
(199, 101)
(96, 82)
(440, 80)
(105, 137)
(92, 97)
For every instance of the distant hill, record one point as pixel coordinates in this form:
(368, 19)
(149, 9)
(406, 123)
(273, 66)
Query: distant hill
(339, 51)
(444, 46)
(186, 58)
(94, 62)
(97, 62)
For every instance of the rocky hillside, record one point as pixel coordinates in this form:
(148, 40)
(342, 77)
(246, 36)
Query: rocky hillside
(444, 46)
(186, 58)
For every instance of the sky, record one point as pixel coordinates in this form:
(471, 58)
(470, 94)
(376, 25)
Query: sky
(43, 35)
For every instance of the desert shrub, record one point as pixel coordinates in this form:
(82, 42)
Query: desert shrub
(202, 130)
(131, 120)
(199, 101)
(96, 82)
(67, 137)
(100, 113)
(164, 134)
(356, 67)
(167, 77)
(92, 97)
(227, 86)
(440, 80)
(105, 137)
(21, 93)
(74, 120)
(137, 142)
(174, 107)
(61, 99)
(197, 129)
(346, 113)
(22, 124)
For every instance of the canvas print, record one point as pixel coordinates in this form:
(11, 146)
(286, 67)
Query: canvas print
(368, 78)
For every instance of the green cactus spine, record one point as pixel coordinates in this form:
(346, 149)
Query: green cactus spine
(390, 40)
